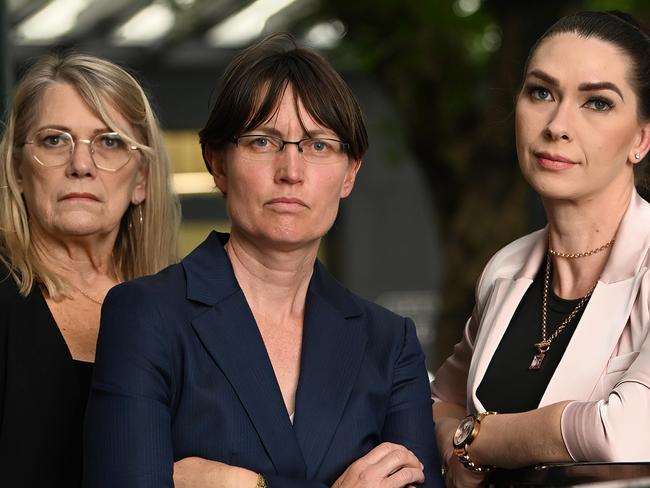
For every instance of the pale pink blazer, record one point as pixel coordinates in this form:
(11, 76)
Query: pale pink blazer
(606, 366)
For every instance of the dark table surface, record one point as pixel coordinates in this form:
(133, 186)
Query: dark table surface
(575, 474)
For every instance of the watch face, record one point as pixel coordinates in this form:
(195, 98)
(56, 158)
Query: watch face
(464, 431)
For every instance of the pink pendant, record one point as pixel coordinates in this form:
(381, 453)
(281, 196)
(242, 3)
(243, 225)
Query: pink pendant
(536, 363)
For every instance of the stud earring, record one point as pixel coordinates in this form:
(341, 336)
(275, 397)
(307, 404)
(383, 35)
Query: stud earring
(637, 156)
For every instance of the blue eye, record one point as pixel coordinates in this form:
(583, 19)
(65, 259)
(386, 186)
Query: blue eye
(261, 141)
(319, 146)
(540, 93)
(599, 104)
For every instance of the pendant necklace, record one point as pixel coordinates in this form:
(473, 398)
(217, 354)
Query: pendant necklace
(544, 345)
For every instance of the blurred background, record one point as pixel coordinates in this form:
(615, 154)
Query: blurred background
(439, 191)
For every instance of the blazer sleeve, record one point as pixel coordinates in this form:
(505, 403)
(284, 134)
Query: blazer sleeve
(408, 420)
(614, 429)
(127, 435)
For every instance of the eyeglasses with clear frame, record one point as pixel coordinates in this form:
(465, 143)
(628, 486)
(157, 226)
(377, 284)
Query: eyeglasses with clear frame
(54, 147)
(316, 150)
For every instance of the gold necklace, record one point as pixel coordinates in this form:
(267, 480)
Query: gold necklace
(545, 344)
(92, 299)
(98, 302)
(576, 255)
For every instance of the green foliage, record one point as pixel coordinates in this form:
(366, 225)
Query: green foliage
(453, 79)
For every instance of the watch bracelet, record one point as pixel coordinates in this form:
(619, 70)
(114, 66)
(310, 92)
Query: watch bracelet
(261, 481)
(472, 466)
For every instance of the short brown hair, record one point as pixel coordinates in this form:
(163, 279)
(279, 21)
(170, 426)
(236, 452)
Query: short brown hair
(254, 82)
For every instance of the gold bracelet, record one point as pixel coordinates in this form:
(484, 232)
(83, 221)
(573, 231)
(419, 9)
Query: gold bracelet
(261, 482)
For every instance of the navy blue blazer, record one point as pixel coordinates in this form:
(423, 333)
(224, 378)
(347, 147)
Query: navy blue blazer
(181, 370)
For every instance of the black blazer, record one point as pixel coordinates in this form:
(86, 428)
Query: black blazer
(182, 370)
(41, 404)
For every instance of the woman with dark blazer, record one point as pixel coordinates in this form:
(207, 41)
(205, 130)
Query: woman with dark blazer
(84, 200)
(247, 364)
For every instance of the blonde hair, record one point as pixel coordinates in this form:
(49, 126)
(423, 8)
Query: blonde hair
(146, 240)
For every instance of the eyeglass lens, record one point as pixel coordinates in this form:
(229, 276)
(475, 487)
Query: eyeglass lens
(52, 147)
(313, 150)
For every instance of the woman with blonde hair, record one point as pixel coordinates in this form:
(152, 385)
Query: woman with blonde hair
(85, 204)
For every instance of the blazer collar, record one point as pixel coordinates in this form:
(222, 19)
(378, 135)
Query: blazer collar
(208, 271)
(334, 339)
(210, 278)
(608, 310)
(594, 338)
(628, 252)
(632, 242)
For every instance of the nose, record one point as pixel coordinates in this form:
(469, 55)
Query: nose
(559, 124)
(290, 165)
(81, 161)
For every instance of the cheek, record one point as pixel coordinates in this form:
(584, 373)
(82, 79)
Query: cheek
(523, 126)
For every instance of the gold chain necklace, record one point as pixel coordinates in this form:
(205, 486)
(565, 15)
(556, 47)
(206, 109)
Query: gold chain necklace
(545, 344)
(575, 255)
(93, 299)
(98, 302)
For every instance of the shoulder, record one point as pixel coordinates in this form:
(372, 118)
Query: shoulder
(10, 297)
(347, 302)
(8, 287)
(509, 261)
(165, 284)
(382, 326)
(147, 304)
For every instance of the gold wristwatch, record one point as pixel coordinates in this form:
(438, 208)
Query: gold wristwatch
(466, 432)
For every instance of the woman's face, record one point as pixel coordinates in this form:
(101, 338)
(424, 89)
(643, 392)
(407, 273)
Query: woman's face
(286, 202)
(577, 126)
(77, 199)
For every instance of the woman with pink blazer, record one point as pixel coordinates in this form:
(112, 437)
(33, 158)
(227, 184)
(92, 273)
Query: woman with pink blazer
(554, 363)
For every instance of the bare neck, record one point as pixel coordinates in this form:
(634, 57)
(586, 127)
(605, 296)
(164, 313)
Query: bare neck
(81, 260)
(274, 281)
(580, 227)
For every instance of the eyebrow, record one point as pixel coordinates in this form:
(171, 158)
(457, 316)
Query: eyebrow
(272, 131)
(537, 73)
(70, 131)
(588, 86)
(600, 85)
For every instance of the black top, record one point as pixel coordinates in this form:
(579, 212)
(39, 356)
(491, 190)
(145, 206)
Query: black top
(508, 385)
(42, 395)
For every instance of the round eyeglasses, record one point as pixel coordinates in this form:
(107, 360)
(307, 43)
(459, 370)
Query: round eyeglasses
(317, 150)
(53, 147)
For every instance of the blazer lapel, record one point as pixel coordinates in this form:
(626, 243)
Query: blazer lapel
(503, 303)
(501, 306)
(227, 329)
(593, 341)
(333, 345)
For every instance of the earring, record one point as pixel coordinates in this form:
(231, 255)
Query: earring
(140, 214)
(637, 156)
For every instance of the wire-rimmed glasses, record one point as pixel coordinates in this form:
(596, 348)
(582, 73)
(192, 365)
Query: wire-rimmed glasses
(54, 147)
(317, 150)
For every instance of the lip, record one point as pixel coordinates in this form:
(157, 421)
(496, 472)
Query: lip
(287, 202)
(554, 161)
(79, 196)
